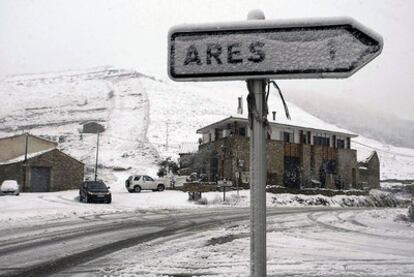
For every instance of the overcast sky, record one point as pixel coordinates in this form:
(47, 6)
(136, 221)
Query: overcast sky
(42, 36)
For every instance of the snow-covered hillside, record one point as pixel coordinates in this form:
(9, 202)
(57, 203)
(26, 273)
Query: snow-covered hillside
(145, 119)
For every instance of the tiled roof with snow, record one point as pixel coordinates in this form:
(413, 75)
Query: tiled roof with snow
(288, 124)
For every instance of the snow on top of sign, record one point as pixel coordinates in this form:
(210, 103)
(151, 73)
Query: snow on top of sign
(268, 23)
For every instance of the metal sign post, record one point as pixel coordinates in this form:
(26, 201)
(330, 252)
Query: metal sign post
(96, 159)
(258, 169)
(257, 50)
(94, 128)
(257, 178)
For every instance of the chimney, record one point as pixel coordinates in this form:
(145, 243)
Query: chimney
(240, 107)
(274, 115)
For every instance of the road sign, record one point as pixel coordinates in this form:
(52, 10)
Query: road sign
(256, 49)
(93, 128)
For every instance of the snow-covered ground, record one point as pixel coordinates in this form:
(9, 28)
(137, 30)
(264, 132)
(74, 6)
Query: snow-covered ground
(314, 243)
(30, 208)
(146, 119)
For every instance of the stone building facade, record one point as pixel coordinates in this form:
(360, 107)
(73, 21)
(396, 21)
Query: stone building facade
(369, 171)
(297, 156)
(46, 170)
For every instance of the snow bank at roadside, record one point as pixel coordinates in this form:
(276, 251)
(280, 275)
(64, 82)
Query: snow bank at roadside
(65, 204)
(376, 198)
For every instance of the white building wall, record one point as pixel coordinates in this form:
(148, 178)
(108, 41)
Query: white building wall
(296, 136)
(205, 138)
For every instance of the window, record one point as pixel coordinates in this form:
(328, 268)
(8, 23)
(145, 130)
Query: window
(242, 131)
(137, 178)
(340, 143)
(148, 178)
(319, 140)
(286, 136)
(303, 137)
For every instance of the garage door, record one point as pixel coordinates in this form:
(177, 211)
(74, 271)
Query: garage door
(40, 179)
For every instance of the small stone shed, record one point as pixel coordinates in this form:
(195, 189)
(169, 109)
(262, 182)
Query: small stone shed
(369, 171)
(49, 169)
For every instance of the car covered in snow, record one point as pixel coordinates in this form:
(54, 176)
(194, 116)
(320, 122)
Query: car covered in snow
(94, 191)
(136, 183)
(10, 187)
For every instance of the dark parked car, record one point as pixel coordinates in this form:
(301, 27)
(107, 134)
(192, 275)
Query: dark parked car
(94, 191)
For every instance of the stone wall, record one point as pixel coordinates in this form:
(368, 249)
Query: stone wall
(66, 172)
(369, 171)
(12, 172)
(307, 170)
(347, 168)
(275, 162)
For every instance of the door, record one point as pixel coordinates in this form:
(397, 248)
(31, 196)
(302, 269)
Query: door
(291, 175)
(40, 179)
(148, 183)
(214, 169)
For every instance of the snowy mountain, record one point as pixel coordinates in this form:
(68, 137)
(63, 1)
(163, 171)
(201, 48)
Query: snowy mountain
(145, 119)
(357, 114)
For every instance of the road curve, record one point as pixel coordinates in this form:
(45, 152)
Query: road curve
(45, 249)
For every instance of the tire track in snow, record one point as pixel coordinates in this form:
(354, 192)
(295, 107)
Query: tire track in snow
(315, 218)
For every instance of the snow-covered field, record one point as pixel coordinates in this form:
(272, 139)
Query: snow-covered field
(336, 243)
(146, 119)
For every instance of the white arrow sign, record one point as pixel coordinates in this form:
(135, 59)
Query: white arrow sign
(333, 48)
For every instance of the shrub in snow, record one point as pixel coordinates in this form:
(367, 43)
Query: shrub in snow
(166, 167)
(376, 198)
(202, 201)
(383, 199)
(231, 200)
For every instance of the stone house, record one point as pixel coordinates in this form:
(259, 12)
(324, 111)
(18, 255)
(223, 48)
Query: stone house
(42, 168)
(297, 156)
(369, 171)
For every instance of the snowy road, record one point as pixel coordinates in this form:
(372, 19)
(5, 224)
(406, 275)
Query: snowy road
(48, 247)
(211, 242)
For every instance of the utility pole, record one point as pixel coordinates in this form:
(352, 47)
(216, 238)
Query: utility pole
(25, 162)
(97, 151)
(167, 136)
